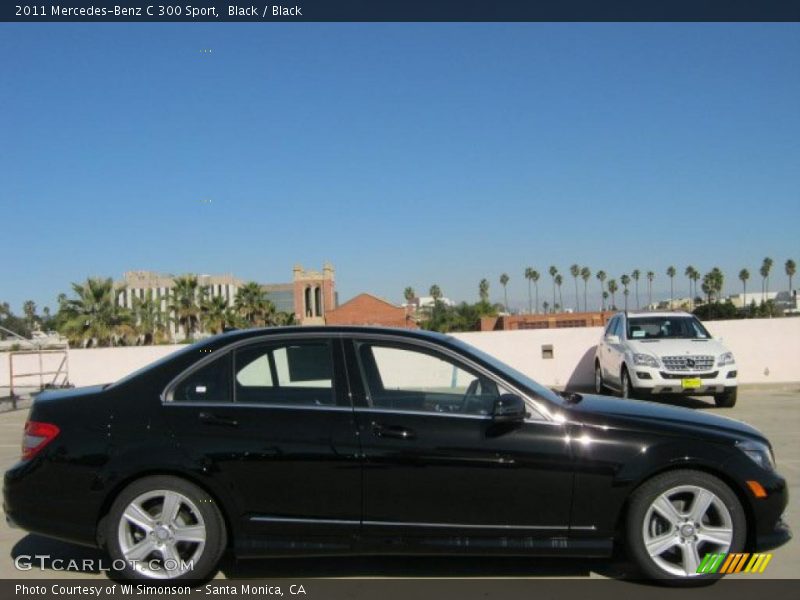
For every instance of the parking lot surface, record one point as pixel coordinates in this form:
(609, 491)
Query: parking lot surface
(775, 410)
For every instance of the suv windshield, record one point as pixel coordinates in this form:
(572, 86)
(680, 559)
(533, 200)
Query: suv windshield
(649, 328)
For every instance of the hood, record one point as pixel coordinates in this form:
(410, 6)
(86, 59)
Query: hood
(677, 347)
(651, 412)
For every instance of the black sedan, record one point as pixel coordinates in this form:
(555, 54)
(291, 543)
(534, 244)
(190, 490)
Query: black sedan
(317, 441)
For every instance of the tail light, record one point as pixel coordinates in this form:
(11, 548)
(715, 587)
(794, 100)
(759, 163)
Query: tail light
(37, 435)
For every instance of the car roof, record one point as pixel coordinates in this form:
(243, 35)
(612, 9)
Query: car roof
(237, 334)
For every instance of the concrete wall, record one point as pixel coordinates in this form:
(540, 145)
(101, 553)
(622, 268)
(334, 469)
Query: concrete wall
(766, 351)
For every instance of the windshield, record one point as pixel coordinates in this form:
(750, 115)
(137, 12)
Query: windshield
(510, 372)
(650, 328)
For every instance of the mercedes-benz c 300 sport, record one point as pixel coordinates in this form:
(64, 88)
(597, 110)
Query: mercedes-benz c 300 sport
(312, 441)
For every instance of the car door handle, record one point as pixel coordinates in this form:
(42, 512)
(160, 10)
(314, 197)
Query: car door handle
(392, 431)
(212, 419)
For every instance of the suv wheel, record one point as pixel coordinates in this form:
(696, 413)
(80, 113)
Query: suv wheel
(599, 386)
(164, 527)
(726, 400)
(676, 518)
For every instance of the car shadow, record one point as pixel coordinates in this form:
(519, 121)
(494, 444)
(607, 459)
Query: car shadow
(58, 556)
(582, 375)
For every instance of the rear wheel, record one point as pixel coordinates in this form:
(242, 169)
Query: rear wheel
(164, 527)
(676, 518)
(726, 400)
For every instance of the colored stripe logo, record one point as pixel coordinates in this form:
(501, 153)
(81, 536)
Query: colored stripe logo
(734, 563)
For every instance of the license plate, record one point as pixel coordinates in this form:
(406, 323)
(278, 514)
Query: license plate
(689, 384)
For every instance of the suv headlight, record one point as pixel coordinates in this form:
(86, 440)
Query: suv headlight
(725, 359)
(646, 360)
(759, 453)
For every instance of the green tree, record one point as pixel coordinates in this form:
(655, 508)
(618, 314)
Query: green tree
(559, 280)
(215, 314)
(586, 275)
(671, 274)
(29, 310)
(612, 288)
(504, 278)
(553, 272)
(533, 275)
(409, 294)
(545, 306)
(184, 304)
(483, 290)
(744, 275)
(689, 272)
(650, 277)
(94, 317)
(791, 269)
(149, 320)
(766, 267)
(253, 306)
(635, 275)
(601, 277)
(625, 280)
(575, 271)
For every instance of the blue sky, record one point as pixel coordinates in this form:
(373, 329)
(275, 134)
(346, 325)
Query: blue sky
(405, 154)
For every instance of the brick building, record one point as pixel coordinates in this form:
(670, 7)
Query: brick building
(546, 321)
(366, 309)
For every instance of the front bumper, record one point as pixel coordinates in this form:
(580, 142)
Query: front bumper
(662, 381)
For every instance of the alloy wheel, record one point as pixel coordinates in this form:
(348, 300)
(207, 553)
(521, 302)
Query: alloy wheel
(162, 534)
(682, 525)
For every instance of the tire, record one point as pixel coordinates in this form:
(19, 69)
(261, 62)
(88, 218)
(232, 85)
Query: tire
(599, 386)
(726, 400)
(662, 516)
(627, 390)
(137, 535)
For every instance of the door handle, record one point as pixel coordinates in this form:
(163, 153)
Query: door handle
(392, 431)
(212, 419)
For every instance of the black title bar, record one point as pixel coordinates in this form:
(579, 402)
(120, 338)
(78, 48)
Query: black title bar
(405, 10)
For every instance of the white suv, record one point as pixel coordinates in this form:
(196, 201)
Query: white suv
(663, 353)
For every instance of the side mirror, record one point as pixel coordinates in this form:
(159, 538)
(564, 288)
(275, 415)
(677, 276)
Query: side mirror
(612, 339)
(509, 407)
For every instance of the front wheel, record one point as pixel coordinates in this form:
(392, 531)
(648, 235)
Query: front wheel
(676, 518)
(726, 400)
(599, 386)
(165, 528)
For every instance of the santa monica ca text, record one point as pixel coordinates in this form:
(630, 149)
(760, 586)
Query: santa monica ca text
(244, 589)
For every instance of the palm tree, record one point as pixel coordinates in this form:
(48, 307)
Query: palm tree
(650, 277)
(553, 272)
(635, 274)
(253, 305)
(689, 272)
(575, 271)
(601, 276)
(535, 278)
(586, 274)
(215, 314)
(671, 274)
(558, 281)
(625, 281)
(605, 297)
(184, 304)
(612, 288)
(766, 267)
(545, 305)
(529, 271)
(504, 282)
(483, 290)
(94, 317)
(409, 294)
(435, 292)
(791, 269)
(29, 309)
(744, 275)
(149, 321)
(695, 277)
